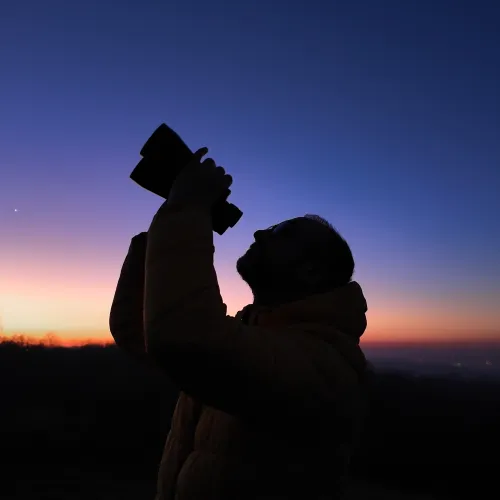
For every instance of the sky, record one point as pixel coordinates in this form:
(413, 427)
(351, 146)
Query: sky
(382, 117)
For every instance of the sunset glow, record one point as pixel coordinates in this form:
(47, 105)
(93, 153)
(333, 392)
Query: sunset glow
(72, 300)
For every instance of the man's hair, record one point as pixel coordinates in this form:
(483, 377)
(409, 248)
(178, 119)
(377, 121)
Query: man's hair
(335, 257)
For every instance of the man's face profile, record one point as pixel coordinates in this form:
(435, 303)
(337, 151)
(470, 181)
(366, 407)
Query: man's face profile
(277, 252)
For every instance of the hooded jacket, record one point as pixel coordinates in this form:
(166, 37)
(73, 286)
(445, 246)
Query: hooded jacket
(271, 399)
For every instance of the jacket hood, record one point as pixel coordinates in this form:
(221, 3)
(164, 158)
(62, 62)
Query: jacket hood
(338, 317)
(343, 309)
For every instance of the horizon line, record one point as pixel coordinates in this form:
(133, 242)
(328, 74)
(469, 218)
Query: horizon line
(51, 339)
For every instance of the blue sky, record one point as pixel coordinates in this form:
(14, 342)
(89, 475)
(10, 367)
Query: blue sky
(382, 116)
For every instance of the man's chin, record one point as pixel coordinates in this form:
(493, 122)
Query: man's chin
(247, 267)
(243, 265)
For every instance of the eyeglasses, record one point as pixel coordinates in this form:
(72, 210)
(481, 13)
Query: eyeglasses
(281, 228)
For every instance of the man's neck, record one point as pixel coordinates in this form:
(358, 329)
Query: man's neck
(276, 299)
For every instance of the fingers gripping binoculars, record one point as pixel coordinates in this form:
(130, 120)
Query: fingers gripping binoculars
(165, 154)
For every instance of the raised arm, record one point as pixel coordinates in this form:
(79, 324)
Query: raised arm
(126, 319)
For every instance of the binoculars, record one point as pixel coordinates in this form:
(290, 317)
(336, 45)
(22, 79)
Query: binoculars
(164, 155)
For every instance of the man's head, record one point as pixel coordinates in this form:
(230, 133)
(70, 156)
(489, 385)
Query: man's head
(294, 259)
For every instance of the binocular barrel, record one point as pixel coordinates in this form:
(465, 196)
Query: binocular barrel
(165, 154)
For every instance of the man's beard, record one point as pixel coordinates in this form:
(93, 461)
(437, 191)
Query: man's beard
(250, 272)
(263, 278)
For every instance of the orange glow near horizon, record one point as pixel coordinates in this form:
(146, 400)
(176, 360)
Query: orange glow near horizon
(70, 296)
(51, 339)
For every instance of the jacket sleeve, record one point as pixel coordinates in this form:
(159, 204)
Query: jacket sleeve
(126, 321)
(236, 368)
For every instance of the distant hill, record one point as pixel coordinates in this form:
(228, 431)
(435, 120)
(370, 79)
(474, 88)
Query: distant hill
(92, 412)
(463, 361)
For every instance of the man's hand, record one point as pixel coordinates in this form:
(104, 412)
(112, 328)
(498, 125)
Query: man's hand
(200, 183)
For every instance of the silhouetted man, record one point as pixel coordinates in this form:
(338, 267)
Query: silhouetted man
(270, 399)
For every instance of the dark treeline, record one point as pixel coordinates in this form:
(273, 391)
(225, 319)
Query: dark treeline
(77, 416)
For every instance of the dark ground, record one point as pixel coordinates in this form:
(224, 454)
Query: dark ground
(90, 423)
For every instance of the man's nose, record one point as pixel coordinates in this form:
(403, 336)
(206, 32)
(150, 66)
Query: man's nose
(259, 235)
